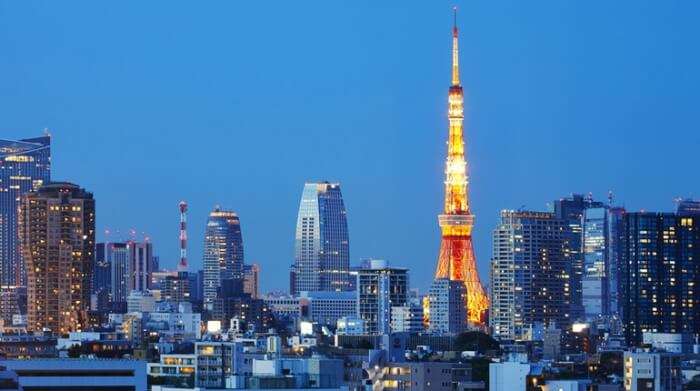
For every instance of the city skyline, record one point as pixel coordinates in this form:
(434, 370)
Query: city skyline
(409, 171)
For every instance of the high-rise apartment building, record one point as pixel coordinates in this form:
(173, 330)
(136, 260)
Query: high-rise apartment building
(379, 288)
(530, 273)
(251, 280)
(321, 245)
(223, 252)
(24, 166)
(447, 307)
(57, 226)
(660, 274)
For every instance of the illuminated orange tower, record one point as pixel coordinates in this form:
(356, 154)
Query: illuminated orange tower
(456, 260)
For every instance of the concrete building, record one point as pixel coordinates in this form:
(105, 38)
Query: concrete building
(350, 325)
(407, 318)
(508, 376)
(140, 301)
(79, 374)
(284, 307)
(327, 307)
(379, 288)
(443, 376)
(174, 370)
(57, 226)
(251, 280)
(219, 365)
(659, 274)
(652, 371)
(670, 342)
(447, 305)
(530, 273)
(299, 373)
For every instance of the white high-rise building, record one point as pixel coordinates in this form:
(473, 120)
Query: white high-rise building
(447, 305)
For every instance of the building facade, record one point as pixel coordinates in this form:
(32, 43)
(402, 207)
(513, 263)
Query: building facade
(447, 307)
(251, 280)
(660, 274)
(140, 265)
(530, 273)
(594, 285)
(652, 371)
(380, 288)
(117, 256)
(223, 252)
(321, 244)
(57, 225)
(25, 165)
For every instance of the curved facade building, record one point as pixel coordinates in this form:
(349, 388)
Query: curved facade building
(223, 251)
(321, 245)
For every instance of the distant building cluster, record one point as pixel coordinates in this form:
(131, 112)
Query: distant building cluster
(584, 296)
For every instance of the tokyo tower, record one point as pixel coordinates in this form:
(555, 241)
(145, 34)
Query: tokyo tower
(456, 260)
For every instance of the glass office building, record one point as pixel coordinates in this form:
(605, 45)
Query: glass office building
(322, 256)
(25, 165)
(595, 262)
(223, 252)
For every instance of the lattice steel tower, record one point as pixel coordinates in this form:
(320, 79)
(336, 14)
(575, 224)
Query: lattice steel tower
(456, 260)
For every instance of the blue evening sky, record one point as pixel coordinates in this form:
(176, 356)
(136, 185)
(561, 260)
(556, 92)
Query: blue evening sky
(238, 104)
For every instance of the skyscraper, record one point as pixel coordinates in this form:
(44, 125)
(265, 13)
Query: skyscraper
(321, 245)
(57, 226)
(456, 260)
(251, 280)
(101, 271)
(594, 285)
(223, 252)
(140, 265)
(660, 274)
(571, 210)
(24, 166)
(530, 273)
(379, 288)
(117, 255)
(615, 220)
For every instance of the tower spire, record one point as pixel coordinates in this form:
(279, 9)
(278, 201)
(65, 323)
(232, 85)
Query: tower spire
(455, 50)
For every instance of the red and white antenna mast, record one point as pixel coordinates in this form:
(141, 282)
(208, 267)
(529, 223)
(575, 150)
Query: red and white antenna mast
(182, 265)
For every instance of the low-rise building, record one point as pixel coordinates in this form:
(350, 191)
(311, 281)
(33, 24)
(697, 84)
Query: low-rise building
(508, 376)
(350, 325)
(176, 370)
(407, 318)
(325, 308)
(312, 372)
(652, 371)
(424, 375)
(79, 374)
